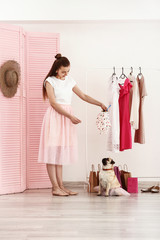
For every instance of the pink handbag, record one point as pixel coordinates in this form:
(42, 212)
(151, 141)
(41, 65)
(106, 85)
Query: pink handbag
(132, 185)
(103, 122)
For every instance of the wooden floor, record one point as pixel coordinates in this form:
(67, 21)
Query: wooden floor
(36, 214)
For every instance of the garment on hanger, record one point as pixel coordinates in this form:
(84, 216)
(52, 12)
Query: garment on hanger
(134, 102)
(125, 126)
(113, 132)
(140, 132)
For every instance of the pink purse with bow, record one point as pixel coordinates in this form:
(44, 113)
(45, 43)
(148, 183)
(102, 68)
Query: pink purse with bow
(103, 122)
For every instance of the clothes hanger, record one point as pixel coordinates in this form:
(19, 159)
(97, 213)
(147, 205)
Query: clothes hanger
(114, 74)
(139, 74)
(122, 76)
(131, 73)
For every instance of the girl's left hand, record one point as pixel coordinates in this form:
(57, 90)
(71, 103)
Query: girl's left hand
(103, 107)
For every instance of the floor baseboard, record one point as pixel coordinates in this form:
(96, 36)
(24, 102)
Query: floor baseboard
(141, 183)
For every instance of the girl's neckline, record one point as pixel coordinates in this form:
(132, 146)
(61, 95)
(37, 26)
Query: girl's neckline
(58, 78)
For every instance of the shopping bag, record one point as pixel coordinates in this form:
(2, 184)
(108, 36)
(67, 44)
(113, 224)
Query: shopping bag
(99, 169)
(117, 173)
(124, 176)
(92, 180)
(132, 185)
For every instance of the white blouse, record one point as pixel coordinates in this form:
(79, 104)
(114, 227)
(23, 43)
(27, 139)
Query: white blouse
(113, 97)
(62, 88)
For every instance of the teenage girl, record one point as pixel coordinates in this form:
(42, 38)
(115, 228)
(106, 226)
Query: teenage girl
(58, 139)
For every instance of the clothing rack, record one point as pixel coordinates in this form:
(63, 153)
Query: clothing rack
(145, 68)
(114, 69)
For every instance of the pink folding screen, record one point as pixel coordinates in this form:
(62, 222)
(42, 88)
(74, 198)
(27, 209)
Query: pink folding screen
(13, 116)
(21, 116)
(41, 49)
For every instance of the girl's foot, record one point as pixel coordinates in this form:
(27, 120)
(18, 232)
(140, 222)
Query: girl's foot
(68, 191)
(58, 192)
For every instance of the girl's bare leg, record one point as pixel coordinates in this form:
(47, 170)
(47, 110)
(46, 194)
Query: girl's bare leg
(56, 190)
(60, 181)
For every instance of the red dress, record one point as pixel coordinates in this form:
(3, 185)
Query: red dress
(124, 116)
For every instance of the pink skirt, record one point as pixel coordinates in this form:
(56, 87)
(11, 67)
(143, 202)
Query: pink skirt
(58, 139)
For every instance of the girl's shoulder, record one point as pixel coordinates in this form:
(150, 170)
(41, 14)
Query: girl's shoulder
(50, 80)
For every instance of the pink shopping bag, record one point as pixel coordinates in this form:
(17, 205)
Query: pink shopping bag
(132, 185)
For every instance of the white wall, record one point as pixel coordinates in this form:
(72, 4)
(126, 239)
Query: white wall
(108, 44)
(79, 9)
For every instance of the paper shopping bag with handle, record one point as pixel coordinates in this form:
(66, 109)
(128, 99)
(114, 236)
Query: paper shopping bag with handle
(99, 169)
(92, 180)
(124, 174)
(117, 172)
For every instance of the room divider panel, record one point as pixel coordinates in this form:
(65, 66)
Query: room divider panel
(13, 116)
(41, 49)
(21, 116)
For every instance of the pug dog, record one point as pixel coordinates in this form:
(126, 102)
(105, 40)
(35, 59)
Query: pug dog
(107, 177)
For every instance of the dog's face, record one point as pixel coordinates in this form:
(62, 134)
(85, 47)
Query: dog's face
(107, 162)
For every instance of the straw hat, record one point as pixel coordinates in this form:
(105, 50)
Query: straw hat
(9, 78)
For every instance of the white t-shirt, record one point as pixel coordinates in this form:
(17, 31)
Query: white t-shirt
(62, 88)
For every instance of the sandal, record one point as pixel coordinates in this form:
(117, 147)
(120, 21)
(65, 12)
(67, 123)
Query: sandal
(68, 191)
(62, 194)
(155, 189)
(72, 193)
(147, 189)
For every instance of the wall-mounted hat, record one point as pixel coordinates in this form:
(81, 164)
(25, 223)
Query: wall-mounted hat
(9, 78)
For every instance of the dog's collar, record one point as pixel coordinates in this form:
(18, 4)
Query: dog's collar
(107, 169)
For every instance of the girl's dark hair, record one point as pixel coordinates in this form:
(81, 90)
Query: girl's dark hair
(59, 62)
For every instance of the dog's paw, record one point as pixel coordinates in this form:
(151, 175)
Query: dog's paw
(99, 194)
(106, 195)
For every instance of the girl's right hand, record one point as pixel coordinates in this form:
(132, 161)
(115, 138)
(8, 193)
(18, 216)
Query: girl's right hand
(75, 120)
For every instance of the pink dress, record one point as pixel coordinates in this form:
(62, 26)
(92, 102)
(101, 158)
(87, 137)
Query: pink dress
(125, 126)
(58, 138)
